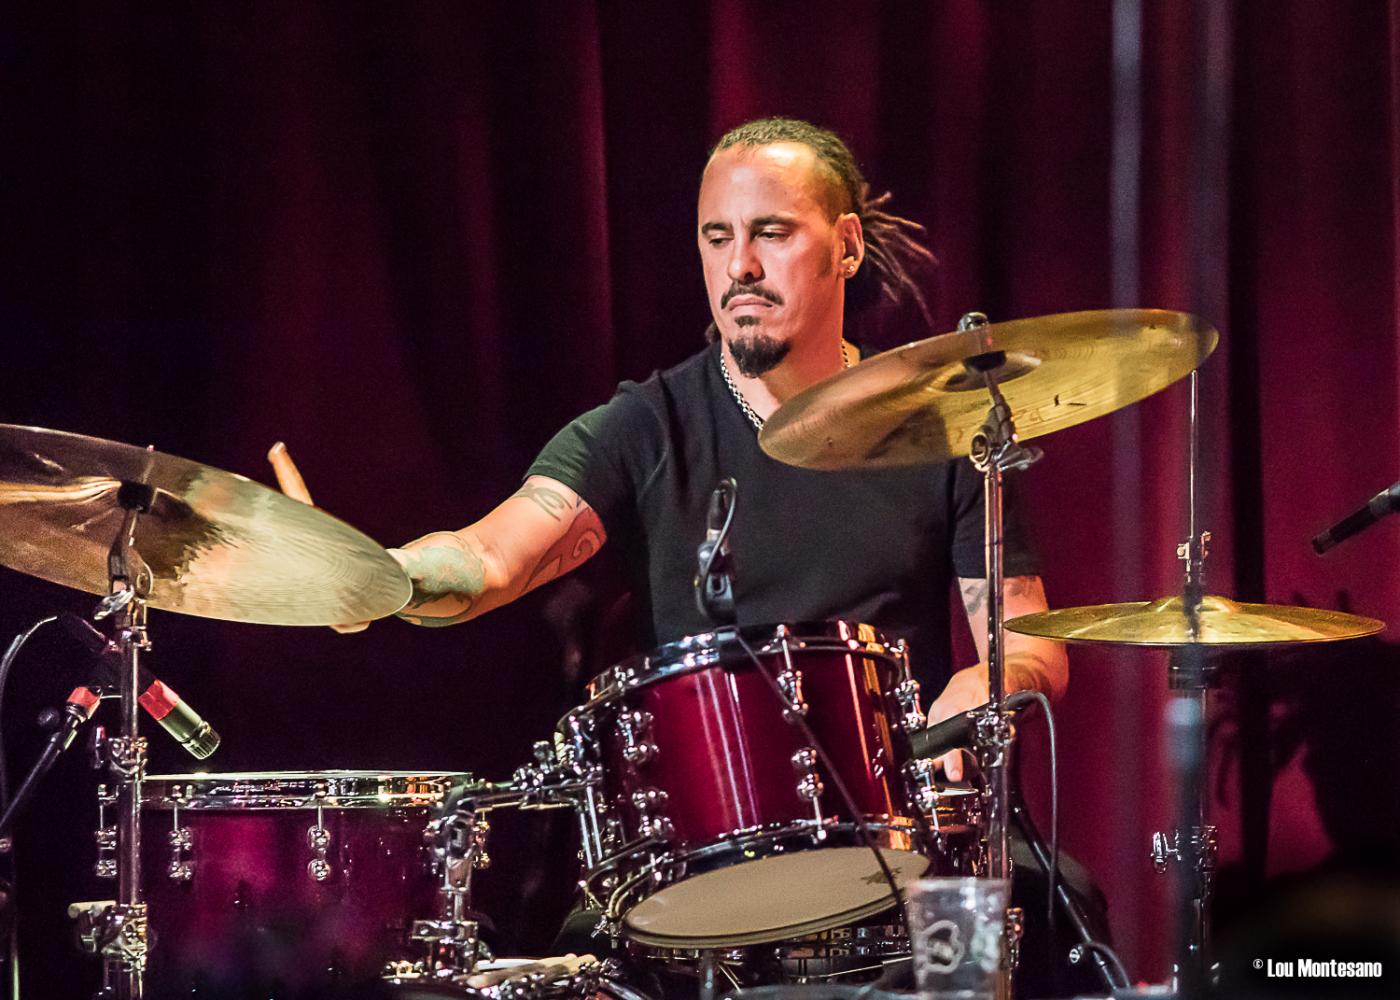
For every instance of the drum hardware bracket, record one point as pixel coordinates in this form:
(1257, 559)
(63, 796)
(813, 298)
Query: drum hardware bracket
(460, 937)
(105, 836)
(790, 681)
(919, 776)
(652, 821)
(116, 932)
(809, 786)
(318, 838)
(181, 840)
(1015, 929)
(1204, 846)
(635, 726)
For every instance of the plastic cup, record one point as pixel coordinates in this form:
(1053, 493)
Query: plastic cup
(956, 929)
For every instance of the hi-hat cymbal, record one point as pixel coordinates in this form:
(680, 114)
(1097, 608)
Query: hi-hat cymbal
(217, 544)
(921, 403)
(1222, 623)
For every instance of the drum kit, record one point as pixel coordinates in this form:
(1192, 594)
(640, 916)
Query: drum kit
(747, 787)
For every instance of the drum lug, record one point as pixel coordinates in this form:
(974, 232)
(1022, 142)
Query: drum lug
(651, 822)
(809, 784)
(181, 843)
(104, 835)
(907, 694)
(790, 684)
(789, 681)
(923, 791)
(635, 726)
(318, 838)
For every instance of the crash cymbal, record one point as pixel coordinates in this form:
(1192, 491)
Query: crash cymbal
(921, 403)
(1222, 623)
(217, 545)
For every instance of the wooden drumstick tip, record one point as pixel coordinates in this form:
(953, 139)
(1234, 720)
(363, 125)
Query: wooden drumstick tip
(288, 476)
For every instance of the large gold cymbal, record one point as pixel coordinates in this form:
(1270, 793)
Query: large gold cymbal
(1222, 623)
(217, 544)
(920, 403)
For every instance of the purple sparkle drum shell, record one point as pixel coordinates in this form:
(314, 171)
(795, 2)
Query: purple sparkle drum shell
(252, 915)
(723, 760)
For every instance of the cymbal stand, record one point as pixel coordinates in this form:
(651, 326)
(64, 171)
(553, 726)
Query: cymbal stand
(995, 451)
(118, 931)
(1190, 678)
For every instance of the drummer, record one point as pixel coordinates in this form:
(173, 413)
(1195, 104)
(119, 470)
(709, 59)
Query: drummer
(789, 240)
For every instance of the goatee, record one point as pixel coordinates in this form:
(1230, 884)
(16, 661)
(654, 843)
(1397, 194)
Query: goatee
(757, 354)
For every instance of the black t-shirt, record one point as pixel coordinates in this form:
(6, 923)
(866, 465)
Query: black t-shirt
(880, 547)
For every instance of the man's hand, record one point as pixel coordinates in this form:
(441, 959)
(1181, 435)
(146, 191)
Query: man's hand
(964, 691)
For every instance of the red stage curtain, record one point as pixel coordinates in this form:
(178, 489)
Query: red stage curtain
(412, 241)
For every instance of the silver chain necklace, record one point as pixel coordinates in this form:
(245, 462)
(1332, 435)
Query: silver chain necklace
(748, 410)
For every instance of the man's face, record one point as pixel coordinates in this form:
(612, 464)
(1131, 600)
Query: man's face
(770, 251)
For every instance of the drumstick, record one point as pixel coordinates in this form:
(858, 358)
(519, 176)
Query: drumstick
(288, 475)
(546, 968)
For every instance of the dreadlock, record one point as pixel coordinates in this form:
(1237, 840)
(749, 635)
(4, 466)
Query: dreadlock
(891, 246)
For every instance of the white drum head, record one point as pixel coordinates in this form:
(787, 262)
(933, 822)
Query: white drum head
(771, 899)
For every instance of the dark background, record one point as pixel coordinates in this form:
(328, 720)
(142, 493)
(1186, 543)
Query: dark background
(414, 240)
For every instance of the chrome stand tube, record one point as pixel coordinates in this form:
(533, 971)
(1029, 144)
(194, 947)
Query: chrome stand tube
(995, 451)
(122, 933)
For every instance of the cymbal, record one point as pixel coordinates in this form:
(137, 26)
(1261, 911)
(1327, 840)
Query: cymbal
(921, 403)
(1223, 622)
(217, 544)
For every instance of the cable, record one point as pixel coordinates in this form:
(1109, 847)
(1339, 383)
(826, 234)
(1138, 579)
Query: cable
(846, 799)
(718, 607)
(1054, 872)
(1076, 955)
(5, 663)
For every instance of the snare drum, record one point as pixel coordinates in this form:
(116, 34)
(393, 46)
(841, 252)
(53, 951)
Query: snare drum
(717, 825)
(297, 880)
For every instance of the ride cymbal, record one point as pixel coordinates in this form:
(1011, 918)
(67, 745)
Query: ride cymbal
(1223, 622)
(923, 402)
(217, 544)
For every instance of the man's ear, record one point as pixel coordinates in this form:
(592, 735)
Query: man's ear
(852, 237)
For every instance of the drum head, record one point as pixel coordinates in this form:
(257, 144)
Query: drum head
(771, 899)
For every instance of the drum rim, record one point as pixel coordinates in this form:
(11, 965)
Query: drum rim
(333, 788)
(706, 649)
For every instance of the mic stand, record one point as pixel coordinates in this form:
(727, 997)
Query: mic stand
(995, 450)
(59, 740)
(1190, 678)
(118, 931)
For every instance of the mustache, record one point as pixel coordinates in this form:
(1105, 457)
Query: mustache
(759, 291)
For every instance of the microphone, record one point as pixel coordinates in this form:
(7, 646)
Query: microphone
(1383, 503)
(959, 731)
(714, 587)
(76, 710)
(158, 699)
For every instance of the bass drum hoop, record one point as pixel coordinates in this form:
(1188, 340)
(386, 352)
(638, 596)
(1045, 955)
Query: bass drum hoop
(336, 789)
(708, 649)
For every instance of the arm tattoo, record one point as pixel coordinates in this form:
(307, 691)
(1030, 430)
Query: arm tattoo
(974, 595)
(1019, 586)
(552, 502)
(451, 569)
(578, 545)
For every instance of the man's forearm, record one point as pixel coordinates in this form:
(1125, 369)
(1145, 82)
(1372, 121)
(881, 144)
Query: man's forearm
(1026, 670)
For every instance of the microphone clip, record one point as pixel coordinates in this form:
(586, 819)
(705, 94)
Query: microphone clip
(714, 578)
